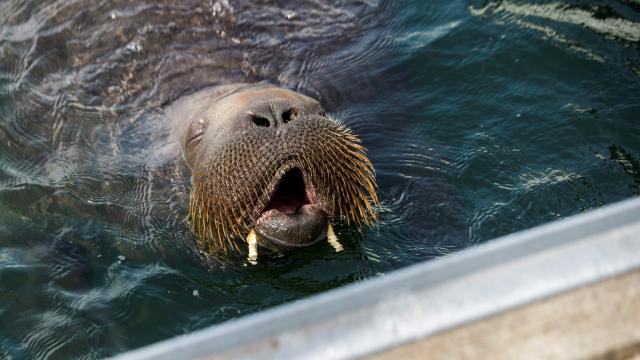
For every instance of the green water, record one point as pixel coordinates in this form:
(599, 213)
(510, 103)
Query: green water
(481, 119)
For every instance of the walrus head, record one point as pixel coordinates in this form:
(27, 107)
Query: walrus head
(269, 162)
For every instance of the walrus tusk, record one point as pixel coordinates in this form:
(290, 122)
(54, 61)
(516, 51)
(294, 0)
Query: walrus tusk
(333, 239)
(252, 240)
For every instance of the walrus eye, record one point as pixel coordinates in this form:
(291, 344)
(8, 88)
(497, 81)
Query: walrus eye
(289, 115)
(196, 130)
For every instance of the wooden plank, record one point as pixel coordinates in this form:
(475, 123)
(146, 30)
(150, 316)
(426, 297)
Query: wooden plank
(599, 321)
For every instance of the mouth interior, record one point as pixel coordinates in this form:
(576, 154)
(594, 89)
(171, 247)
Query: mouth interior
(290, 193)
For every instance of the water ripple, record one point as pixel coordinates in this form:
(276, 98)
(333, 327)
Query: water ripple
(480, 119)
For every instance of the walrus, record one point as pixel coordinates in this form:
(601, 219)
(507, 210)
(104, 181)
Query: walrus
(269, 168)
(260, 157)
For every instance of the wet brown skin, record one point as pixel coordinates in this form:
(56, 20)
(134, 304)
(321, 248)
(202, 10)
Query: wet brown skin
(268, 159)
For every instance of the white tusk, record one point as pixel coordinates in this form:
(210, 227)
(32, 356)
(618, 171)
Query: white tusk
(333, 239)
(252, 240)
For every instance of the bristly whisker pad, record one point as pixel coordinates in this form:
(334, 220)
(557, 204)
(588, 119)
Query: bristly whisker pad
(240, 180)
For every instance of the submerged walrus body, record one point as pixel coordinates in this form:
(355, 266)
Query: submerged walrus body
(270, 167)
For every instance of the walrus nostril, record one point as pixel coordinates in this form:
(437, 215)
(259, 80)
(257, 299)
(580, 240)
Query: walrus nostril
(260, 121)
(289, 115)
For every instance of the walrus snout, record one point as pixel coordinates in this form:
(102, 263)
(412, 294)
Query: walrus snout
(272, 113)
(271, 168)
(293, 217)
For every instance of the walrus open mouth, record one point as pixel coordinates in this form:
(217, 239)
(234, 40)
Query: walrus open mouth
(292, 218)
(291, 193)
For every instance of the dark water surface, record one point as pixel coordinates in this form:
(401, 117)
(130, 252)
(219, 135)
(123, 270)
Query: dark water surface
(481, 119)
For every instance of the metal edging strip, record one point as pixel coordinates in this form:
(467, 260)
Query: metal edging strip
(427, 298)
